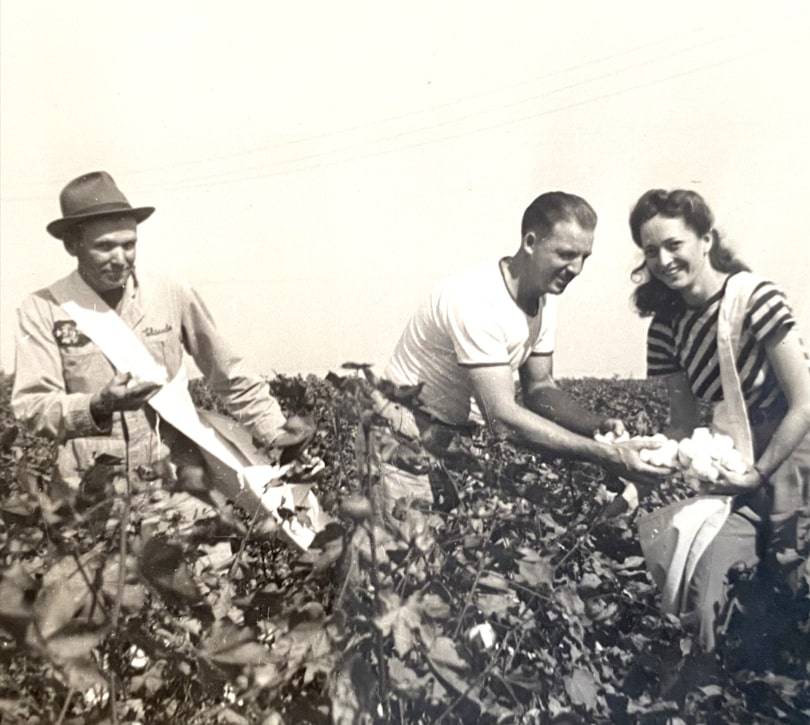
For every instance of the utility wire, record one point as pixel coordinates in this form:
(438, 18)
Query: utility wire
(195, 183)
(319, 137)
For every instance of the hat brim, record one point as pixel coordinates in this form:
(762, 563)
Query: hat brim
(60, 226)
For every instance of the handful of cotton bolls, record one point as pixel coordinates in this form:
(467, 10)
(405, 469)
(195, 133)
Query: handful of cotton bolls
(700, 457)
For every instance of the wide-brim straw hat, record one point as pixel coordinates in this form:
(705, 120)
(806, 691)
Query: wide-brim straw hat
(93, 195)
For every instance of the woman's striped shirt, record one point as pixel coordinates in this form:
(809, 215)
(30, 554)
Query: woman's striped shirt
(688, 343)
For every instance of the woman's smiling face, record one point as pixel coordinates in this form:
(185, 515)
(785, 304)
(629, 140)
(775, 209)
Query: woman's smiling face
(673, 252)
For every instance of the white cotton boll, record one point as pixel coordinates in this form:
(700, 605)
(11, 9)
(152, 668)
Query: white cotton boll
(668, 454)
(665, 457)
(482, 636)
(138, 660)
(703, 468)
(702, 437)
(721, 442)
(686, 452)
(733, 461)
(610, 437)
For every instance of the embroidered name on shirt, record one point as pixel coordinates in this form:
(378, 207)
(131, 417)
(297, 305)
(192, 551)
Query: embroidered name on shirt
(152, 331)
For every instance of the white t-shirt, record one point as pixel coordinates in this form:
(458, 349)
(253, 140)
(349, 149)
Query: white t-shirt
(470, 320)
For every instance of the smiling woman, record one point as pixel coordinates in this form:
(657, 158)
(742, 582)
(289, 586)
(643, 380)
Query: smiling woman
(723, 336)
(680, 243)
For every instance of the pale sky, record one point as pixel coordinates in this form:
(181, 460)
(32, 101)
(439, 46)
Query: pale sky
(318, 166)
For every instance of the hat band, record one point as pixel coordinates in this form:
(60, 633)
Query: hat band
(100, 208)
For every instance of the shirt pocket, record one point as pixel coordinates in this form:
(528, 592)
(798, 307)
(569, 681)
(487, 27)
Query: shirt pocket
(167, 352)
(85, 369)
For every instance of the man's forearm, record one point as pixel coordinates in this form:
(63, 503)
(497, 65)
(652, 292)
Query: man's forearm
(555, 405)
(547, 436)
(246, 396)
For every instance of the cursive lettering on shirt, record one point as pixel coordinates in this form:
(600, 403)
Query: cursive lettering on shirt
(152, 331)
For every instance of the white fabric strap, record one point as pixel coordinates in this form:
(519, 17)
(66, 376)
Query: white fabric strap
(676, 536)
(730, 416)
(122, 347)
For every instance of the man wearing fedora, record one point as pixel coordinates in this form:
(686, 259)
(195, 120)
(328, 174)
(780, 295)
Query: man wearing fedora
(65, 386)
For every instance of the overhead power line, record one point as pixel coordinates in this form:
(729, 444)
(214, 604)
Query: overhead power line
(366, 148)
(283, 168)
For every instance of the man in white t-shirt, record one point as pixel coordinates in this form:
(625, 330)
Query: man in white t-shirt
(484, 324)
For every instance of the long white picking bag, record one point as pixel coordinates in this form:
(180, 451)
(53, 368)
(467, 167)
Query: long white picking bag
(173, 404)
(674, 537)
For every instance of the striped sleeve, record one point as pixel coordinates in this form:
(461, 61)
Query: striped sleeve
(661, 353)
(768, 312)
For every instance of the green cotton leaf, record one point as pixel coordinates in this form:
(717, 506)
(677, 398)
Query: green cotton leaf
(133, 594)
(323, 664)
(490, 580)
(404, 680)
(361, 543)
(581, 688)
(548, 521)
(589, 582)
(65, 592)
(399, 620)
(230, 717)
(17, 591)
(354, 695)
(150, 681)
(163, 565)
(535, 570)
(451, 681)
(214, 556)
(227, 644)
(7, 438)
(19, 506)
(83, 675)
(496, 604)
(631, 563)
(570, 601)
(309, 612)
(443, 651)
(434, 606)
(73, 645)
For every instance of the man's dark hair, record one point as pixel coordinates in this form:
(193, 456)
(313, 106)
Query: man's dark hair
(556, 206)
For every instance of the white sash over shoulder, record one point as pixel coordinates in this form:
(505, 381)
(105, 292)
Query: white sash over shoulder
(674, 537)
(128, 354)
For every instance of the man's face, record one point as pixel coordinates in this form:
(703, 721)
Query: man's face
(558, 257)
(105, 250)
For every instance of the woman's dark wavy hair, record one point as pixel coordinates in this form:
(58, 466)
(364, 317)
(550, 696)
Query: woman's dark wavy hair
(653, 297)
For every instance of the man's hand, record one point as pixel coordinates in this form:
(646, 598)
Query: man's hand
(121, 393)
(295, 434)
(629, 464)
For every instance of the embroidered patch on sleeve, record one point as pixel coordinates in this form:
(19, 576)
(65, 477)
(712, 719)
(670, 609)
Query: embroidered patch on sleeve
(68, 335)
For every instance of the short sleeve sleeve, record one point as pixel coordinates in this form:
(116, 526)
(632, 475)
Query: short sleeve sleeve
(768, 312)
(662, 356)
